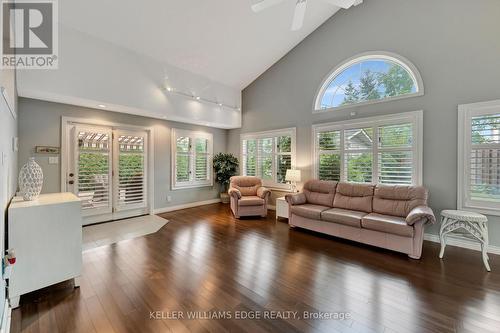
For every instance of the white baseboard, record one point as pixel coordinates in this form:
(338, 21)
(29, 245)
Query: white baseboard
(7, 312)
(184, 206)
(462, 243)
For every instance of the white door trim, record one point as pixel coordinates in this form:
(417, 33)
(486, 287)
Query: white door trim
(66, 125)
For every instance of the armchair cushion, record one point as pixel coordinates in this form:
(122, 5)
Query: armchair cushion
(250, 200)
(420, 212)
(296, 199)
(262, 192)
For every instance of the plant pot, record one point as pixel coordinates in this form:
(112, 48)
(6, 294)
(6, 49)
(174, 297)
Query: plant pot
(224, 197)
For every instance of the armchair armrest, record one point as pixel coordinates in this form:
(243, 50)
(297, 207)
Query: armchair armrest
(262, 192)
(296, 199)
(234, 192)
(420, 212)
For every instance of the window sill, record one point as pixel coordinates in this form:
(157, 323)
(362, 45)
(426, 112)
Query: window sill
(480, 210)
(190, 186)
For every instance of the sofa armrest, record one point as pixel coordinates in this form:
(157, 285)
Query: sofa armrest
(420, 212)
(234, 192)
(263, 192)
(296, 199)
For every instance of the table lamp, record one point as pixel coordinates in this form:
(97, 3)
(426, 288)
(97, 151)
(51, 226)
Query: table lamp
(293, 176)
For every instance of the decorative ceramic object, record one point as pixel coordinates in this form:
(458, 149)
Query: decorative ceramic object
(30, 180)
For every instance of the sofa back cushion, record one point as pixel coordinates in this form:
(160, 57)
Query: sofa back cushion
(354, 196)
(320, 192)
(398, 200)
(247, 185)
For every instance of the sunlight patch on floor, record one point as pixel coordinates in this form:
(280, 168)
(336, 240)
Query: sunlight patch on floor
(113, 232)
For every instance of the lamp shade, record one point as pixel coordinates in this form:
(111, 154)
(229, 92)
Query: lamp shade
(292, 175)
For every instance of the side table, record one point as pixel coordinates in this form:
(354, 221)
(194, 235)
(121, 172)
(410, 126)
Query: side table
(465, 225)
(281, 208)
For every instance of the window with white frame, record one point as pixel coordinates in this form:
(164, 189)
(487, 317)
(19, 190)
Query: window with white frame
(369, 78)
(384, 150)
(191, 159)
(268, 155)
(479, 157)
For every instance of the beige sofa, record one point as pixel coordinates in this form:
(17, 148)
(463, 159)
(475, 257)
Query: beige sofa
(388, 216)
(247, 196)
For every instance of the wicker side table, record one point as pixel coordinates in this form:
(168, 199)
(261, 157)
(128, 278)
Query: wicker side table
(465, 225)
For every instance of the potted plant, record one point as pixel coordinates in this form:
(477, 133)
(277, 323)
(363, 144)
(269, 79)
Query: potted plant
(225, 166)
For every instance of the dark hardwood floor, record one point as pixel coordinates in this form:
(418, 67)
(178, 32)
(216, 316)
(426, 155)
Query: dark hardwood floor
(205, 260)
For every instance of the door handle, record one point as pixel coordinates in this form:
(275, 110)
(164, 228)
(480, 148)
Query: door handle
(71, 182)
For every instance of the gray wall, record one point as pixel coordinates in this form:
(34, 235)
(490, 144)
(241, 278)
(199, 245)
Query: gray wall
(40, 125)
(455, 45)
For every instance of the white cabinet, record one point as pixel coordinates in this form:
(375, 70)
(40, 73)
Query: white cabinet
(281, 208)
(46, 235)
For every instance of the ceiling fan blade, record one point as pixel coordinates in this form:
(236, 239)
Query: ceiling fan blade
(299, 14)
(342, 3)
(264, 4)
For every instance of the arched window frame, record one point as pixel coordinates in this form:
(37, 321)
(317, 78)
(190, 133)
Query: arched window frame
(400, 60)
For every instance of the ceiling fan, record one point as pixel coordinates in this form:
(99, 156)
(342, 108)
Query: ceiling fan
(300, 8)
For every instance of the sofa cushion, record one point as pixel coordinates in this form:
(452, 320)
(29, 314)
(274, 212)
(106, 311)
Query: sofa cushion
(398, 200)
(251, 200)
(320, 192)
(354, 196)
(343, 216)
(309, 211)
(387, 223)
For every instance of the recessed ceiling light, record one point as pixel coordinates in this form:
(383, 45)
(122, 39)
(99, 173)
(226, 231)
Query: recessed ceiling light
(220, 104)
(169, 89)
(102, 106)
(197, 98)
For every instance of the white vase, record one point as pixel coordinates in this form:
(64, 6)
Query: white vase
(30, 180)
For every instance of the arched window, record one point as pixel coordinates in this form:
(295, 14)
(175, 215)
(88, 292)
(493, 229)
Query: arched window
(369, 78)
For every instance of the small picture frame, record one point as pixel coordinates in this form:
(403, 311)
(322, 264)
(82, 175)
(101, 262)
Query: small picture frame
(46, 150)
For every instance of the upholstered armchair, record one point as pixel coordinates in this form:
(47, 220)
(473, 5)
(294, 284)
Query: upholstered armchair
(248, 196)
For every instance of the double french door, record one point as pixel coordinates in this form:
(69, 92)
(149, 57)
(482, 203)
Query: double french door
(107, 170)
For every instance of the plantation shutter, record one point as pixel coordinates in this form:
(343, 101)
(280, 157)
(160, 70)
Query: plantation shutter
(395, 154)
(182, 165)
(201, 158)
(283, 157)
(193, 158)
(484, 163)
(265, 158)
(328, 145)
(358, 158)
(131, 178)
(93, 154)
(249, 148)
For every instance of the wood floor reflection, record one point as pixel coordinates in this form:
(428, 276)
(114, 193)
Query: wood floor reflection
(206, 261)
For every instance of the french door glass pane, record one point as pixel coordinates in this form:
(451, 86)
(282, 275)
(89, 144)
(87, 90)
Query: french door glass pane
(395, 167)
(93, 169)
(131, 170)
(284, 163)
(329, 167)
(359, 167)
(359, 138)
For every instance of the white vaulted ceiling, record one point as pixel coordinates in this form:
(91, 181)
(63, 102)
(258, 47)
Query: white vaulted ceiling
(223, 40)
